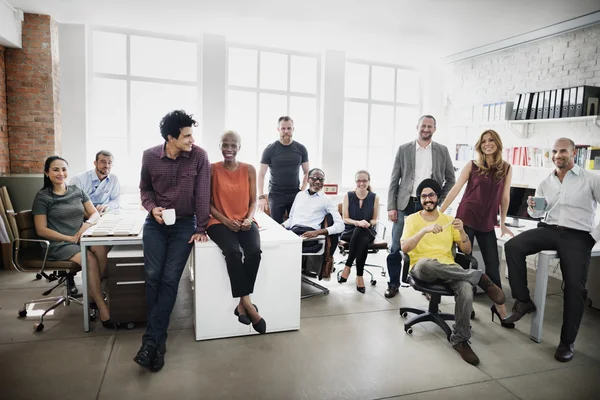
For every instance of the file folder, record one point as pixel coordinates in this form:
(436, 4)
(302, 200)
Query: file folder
(546, 103)
(486, 113)
(579, 102)
(540, 105)
(572, 101)
(558, 106)
(552, 103)
(565, 103)
(515, 109)
(534, 104)
(588, 100)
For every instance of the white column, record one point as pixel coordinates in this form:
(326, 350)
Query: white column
(334, 73)
(214, 92)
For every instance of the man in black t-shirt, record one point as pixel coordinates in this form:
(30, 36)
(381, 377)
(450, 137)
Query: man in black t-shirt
(284, 158)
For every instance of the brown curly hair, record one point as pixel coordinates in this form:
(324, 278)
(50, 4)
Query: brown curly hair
(499, 167)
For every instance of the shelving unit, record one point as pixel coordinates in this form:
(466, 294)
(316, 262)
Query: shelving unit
(521, 127)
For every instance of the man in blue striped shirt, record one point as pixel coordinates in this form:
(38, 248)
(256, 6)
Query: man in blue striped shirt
(103, 188)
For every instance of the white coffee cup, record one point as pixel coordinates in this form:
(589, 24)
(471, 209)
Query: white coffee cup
(168, 216)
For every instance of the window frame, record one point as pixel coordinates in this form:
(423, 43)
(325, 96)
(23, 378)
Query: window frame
(129, 78)
(314, 159)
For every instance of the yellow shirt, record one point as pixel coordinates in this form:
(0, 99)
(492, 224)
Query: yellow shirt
(437, 246)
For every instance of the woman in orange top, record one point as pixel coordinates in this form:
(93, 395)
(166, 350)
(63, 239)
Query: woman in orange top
(232, 205)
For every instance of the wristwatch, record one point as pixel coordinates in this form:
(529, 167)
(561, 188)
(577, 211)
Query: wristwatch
(262, 197)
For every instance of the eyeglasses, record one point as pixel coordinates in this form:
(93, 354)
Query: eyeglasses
(362, 181)
(428, 196)
(317, 178)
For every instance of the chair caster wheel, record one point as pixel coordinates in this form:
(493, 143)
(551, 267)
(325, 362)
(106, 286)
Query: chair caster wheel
(404, 314)
(22, 313)
(408, 330)
(38, 276)
(130, 325)
(383, 274)
(38, 327)
(473, 314)
(373, 282)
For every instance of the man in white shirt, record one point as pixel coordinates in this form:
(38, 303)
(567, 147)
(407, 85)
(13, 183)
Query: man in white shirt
(310, 208)
(571, 196)
(101, 186)
(415, 161)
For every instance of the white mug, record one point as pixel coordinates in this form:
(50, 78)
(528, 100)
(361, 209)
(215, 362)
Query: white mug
(168, 216)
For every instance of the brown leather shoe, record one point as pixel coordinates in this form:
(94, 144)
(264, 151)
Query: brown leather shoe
(564, 352)
(391, 292)
(493, 291)
(520, 308)
(466, 352)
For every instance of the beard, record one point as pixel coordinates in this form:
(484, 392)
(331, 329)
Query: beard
(430, 205)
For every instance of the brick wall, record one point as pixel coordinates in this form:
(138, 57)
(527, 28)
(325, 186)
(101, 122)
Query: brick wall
(4, 158)
(32, 86)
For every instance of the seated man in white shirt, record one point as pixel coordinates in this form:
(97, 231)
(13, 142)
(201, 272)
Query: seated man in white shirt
(310, 208)
(101, 186)
(567, 199)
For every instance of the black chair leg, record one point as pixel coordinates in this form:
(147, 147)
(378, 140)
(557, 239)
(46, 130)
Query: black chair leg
(322, 289)
(405, 310)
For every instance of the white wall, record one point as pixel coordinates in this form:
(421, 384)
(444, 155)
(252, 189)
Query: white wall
(72, 56)
(10, 26)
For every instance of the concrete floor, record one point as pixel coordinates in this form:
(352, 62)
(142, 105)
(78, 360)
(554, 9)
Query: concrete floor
(350, 346)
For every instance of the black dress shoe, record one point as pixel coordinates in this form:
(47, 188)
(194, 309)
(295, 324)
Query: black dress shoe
(360, 288)
(158, 361)
(391, 292)
(520, 308)
(108, 324)
(71, 284)
(145, 355)
(564, 352)
(242, 318)
(260, 326)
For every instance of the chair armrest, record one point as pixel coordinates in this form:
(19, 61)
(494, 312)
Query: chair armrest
(467, 261)
(321, 239)
(15, 253)
(405, 266)
(381, 230)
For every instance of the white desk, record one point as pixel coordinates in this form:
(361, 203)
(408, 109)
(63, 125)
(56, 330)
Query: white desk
(276, 292)
(87, 241)
(541, 281)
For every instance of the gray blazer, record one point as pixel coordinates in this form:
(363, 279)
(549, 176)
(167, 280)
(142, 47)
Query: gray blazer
(403, 174)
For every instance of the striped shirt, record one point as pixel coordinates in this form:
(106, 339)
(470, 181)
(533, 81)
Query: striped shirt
(182, 183)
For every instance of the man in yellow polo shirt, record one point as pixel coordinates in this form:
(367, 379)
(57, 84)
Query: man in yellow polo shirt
(427, 238)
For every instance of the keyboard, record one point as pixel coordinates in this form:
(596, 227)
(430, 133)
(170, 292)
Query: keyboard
(117, 225)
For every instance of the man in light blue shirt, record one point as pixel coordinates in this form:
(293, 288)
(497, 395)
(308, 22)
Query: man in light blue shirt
(567, 199)
(103, 188)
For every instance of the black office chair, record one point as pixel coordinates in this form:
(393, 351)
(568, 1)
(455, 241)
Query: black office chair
(435, 290)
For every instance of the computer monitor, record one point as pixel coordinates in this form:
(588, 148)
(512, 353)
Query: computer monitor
(517, 208)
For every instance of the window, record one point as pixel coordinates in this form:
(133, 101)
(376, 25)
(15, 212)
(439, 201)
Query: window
(381, 110)
(265, 84)
(136, 79)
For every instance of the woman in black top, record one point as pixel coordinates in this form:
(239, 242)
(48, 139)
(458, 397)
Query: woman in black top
(360, 211)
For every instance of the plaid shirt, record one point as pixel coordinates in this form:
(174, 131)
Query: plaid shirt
(182, 183)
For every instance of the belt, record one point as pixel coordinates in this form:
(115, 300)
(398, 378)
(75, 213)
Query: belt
(562, 228)
(415, 199)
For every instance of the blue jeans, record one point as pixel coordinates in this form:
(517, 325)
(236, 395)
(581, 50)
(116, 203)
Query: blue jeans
(166, 250)
(394, 269)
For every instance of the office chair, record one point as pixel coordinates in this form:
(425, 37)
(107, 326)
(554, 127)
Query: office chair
(378, 244)
(435, 289)
(29, 254)
(316, 247)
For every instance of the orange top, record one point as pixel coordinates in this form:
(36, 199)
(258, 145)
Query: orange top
(230, 191)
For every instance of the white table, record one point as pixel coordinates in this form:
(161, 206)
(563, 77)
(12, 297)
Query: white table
(541, 280)
(276, 292)
(87, 241)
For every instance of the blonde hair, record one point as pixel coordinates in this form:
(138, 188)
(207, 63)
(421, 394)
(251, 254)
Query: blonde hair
(364, 171)
(499, 167)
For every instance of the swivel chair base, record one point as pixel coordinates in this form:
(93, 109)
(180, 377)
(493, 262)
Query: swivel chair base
(322, 289)
(426, 316)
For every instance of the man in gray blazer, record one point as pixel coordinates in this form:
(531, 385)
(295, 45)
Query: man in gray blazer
(415, 161)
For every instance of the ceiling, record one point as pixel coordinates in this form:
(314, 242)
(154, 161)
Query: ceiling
(384, 30)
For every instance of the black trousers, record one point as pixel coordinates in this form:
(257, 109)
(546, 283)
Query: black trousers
(358, 247)
(489, 250)
(280, 204)
(242, 273)
(574, 250)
